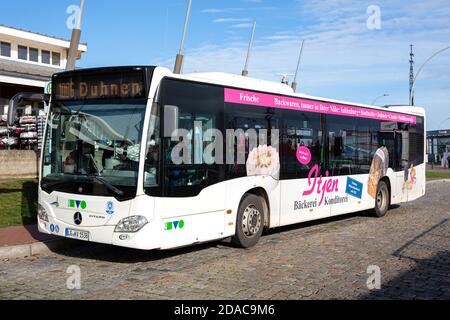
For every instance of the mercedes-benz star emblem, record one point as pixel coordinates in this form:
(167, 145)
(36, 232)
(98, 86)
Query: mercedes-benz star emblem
(78, 218)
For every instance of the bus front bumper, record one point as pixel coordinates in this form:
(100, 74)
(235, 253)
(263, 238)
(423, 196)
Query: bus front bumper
(145, 239)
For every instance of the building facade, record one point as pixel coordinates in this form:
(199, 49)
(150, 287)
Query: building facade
(438, 144)
(27, 62)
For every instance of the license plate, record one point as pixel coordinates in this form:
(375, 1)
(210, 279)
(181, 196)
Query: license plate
(77, 234)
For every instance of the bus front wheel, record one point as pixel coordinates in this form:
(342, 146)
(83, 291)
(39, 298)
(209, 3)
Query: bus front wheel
(382, 200)
(250, 222)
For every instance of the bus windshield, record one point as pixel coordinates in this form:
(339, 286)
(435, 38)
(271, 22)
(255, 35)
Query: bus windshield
(93, 148)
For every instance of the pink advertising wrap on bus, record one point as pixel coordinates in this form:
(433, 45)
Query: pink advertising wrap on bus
(299, 104)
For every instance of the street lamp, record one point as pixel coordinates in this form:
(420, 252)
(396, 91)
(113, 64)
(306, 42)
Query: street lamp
(411, 96)
(378, 98)
(250, 47)
(444, 121)
(75, 40)
(180, 56)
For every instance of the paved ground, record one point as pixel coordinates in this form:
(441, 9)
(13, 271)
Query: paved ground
(20, 235)
(321, 260)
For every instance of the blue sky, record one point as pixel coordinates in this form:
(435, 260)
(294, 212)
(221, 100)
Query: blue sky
(343, 58)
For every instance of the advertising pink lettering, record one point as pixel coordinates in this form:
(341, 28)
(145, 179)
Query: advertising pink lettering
(321, 186)
(307, 105)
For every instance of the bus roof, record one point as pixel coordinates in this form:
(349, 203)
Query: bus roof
(248, 83)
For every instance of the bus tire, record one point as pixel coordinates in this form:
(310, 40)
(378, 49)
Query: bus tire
(250, 222)
(382, 200)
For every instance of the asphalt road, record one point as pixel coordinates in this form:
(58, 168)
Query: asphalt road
(326, 259)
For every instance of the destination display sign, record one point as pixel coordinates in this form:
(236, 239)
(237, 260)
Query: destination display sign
(90, 86)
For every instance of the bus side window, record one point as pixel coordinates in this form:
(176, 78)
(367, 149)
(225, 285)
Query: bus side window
(200, 111)
(417, 142)
(352, 144)
(387, 139)
(300, 129)
(153, 154)
(186, 126)
(398, 151)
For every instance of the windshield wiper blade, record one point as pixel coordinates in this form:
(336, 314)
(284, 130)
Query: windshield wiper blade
(46, 185)
(103, 181)
(109, 185)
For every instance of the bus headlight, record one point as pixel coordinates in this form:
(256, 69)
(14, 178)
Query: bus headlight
(131, 224)
(42, 213)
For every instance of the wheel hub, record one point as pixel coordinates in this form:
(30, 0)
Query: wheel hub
(251, 221)
(381, 199)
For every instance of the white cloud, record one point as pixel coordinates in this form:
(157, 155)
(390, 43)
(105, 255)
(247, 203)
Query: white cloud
(223, 20)
(213, 10)
(281, 37)
(242, 25)
(236, 9)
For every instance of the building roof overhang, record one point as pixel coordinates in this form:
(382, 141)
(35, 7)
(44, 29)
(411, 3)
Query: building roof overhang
(40, 38)
(26, 70)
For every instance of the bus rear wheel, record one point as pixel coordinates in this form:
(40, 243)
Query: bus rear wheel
(250, 222)
(382, 200)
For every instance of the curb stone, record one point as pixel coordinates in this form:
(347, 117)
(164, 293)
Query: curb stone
(27, 250)
(438, 181)
(15, 252)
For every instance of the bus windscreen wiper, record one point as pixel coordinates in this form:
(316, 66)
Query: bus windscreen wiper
(108, 185)
(103, 181)
(53, 184)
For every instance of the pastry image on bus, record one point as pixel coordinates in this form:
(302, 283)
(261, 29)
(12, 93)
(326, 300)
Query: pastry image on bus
(378, 170)
(264, 161)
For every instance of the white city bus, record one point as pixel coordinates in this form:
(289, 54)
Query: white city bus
(108, 174)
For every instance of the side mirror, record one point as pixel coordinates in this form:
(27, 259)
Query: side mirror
(18, 100)
(171, 120)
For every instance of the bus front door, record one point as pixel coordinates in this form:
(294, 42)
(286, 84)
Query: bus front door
(401, 160)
